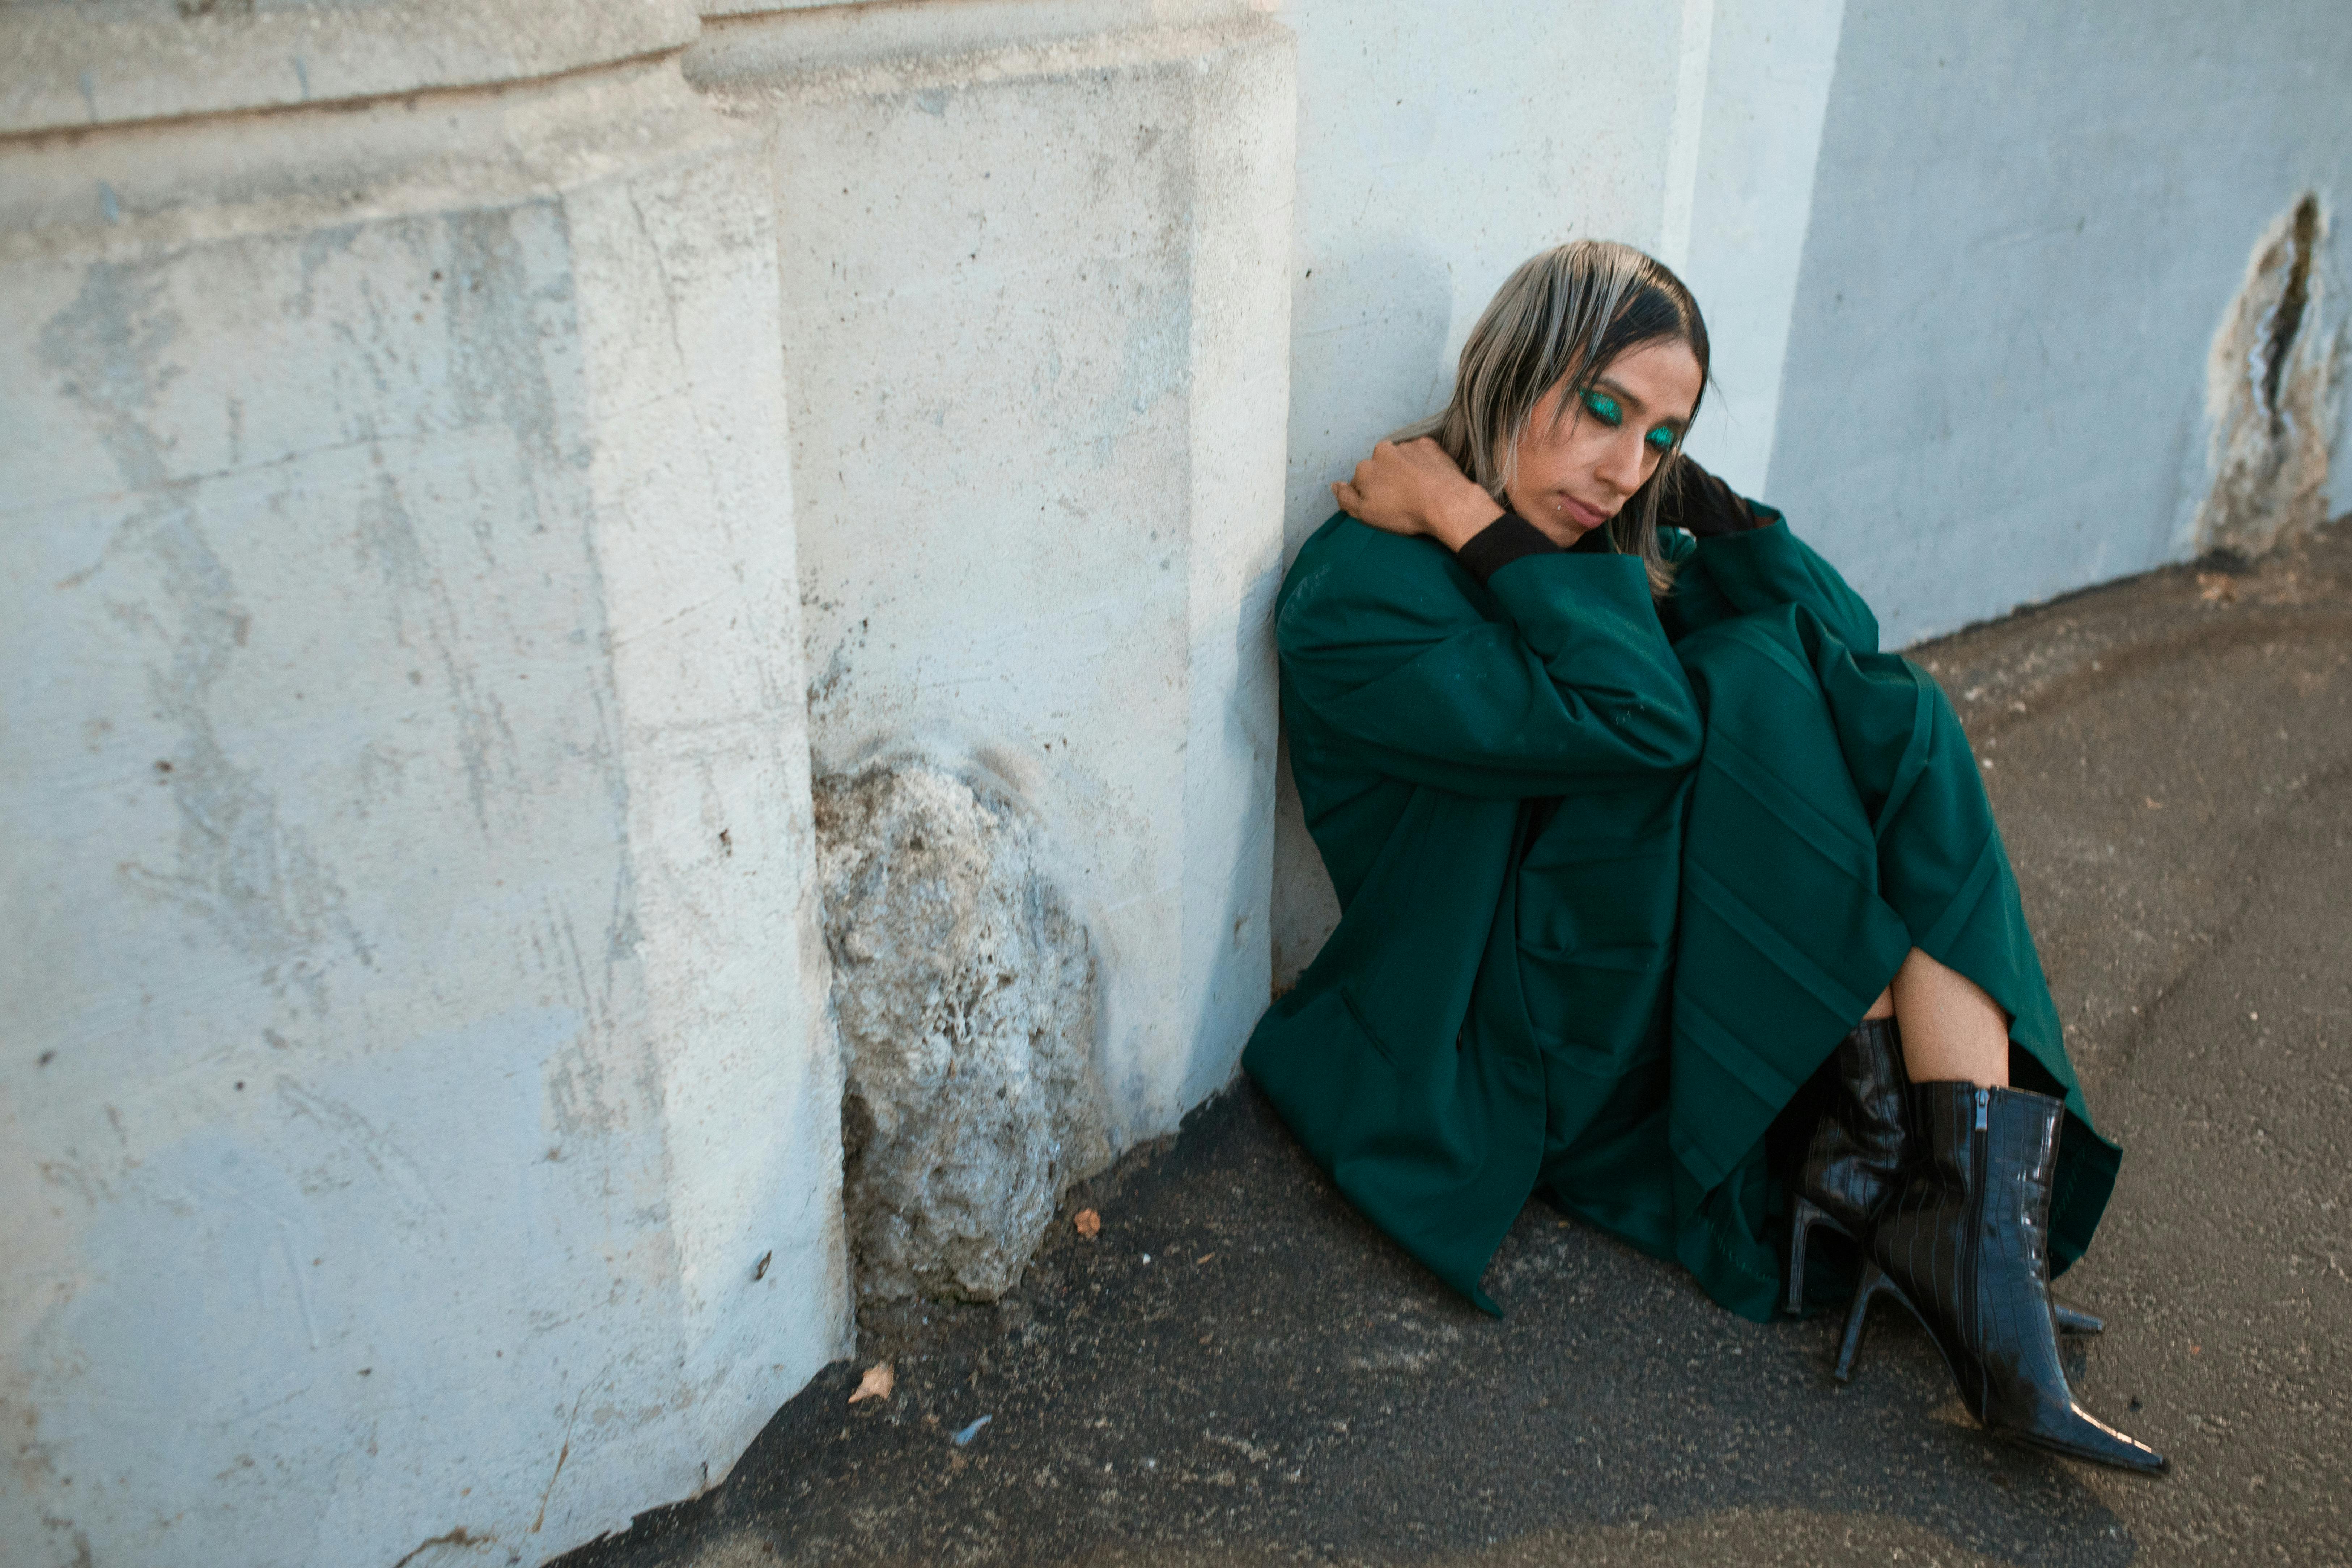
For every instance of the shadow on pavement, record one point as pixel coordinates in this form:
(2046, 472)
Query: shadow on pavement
(1278, 1379)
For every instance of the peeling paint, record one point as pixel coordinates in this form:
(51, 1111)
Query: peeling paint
(2273, 380)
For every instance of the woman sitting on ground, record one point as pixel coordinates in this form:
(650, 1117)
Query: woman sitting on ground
(1665, 895)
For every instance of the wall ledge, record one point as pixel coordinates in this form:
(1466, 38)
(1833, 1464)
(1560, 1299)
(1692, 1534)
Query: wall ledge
(79, 66)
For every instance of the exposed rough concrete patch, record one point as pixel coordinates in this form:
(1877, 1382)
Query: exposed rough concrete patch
(965, 990)
(2271, 389)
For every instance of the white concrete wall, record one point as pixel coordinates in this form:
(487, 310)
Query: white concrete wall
(2027, 226)
(1035, 284)
(117, 62)
(413, 1024)
(1738, 202)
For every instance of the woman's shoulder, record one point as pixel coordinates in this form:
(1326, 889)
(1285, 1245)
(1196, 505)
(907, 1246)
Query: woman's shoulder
(1353, 572)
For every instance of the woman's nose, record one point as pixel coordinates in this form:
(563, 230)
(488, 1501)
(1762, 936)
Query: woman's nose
(1621, 466)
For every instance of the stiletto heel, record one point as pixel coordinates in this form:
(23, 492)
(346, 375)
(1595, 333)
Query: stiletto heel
(1855, 1157)
(1874, 1280)
(1807, 1215)
(2076, 1323)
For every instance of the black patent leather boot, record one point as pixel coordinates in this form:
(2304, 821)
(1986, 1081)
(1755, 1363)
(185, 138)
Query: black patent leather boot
(1857, 1153)
(1962, 1243)
(1857, 1148)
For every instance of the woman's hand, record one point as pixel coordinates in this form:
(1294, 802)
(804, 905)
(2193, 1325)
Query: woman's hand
(1416, 488)
(1696, 501)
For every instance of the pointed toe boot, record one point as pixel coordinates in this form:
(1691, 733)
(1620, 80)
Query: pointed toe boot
(1962, 1243)
(1857, 1153)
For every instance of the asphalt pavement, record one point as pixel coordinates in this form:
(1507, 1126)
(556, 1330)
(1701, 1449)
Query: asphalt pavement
(1238, 1370)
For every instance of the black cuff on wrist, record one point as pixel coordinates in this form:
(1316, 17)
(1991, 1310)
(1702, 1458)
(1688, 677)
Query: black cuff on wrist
(1500, 542)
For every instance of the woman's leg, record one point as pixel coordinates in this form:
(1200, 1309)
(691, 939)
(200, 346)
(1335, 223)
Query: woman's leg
(1951, 1030)
(1837, 822)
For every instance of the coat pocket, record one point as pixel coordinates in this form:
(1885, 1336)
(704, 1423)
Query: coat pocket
(1606, 912)
(1599, 1009)
(1372, 1036)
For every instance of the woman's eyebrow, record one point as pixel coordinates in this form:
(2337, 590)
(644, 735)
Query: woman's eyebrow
(1618, 390)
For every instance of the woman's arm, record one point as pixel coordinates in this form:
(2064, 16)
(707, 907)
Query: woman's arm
(1388, 653)
(1390, 664)
(1748, 561)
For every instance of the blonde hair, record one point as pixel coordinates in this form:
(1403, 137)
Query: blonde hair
(1561, 318)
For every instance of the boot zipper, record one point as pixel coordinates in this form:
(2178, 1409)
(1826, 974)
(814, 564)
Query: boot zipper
(1978, 1138)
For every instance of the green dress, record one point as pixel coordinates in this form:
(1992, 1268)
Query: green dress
(1615, 876)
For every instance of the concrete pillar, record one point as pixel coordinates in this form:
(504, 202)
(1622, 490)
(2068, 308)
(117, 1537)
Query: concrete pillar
(418, 1131)
(1034, 310)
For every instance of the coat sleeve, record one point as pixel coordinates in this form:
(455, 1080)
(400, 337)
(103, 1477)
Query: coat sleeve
(1761, 569)
(1385, 654)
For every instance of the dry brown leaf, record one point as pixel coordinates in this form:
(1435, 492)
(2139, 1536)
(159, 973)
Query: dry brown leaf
(877, 1382)
(1090, 1224)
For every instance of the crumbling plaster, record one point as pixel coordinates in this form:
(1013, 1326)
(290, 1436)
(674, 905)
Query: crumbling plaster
(966, 998)
(2272, 388)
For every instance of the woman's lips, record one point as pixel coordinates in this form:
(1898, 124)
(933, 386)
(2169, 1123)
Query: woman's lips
(1580, 514)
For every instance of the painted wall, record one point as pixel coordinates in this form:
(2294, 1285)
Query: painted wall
(2027, 226)
(418, 1125)
(1754, 89)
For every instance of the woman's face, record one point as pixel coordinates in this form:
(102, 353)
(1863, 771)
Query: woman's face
(1576, 470)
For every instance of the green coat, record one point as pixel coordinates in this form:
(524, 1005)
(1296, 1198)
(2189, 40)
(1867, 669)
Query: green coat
(1615, 878)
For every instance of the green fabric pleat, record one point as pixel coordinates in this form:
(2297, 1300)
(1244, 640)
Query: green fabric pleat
(1614, 879)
